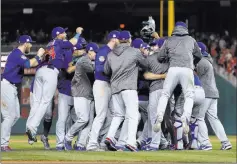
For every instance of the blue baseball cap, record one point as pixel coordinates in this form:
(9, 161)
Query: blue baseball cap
(92, 47)
(202, 46)
(82, 41)
(113, 34)
(179, 23)
(136, 43)
(25, 39)
(78, 46)
(124, 35)
(145, 46)
(57, 30)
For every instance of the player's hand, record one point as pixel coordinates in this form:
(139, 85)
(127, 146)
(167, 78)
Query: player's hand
(155, 35)
(79, 30)
(41, 52)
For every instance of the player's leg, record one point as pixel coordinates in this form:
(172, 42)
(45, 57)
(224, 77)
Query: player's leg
(119, 114)
(170, 83)
(152, 112)
(199, 97)
(102, 95)
(48, 86)
(203, 138)
(82, 108)
(187, 82)
(217, 125)
(47, 125)
(130, 99)
(120, 145)
(65, 103)
(84, 135)
(10, 112)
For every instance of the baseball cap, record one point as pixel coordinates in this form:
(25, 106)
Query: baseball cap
(113, 34)
(124, 35)
(57, 30)
(92, 47)
(25, 39)
(179, 23)
(136, 43)
(145, 46)
(78, 46)
(82, 41)
(202, 46)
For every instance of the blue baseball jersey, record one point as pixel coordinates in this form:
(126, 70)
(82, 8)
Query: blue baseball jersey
(14, 68)
(64, 78)
(100, 59)
(143, 87)
(57, 52)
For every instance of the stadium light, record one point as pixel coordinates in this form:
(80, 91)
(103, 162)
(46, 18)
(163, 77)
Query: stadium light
(27, 11)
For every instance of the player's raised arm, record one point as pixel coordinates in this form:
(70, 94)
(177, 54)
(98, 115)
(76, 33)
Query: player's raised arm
(76, 37)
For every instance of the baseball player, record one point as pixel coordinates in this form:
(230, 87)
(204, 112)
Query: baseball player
(122, 64)
(10, 82)
(182, 52)
(46, 78)
(143, 94)
(82, 95)
(206, 73)
(65, 99)
(199, 97)
(155, 67)
(49, 112)
(101, 91)
(83, 136)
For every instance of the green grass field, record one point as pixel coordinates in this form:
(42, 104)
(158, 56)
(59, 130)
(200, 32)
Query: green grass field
(25, 152)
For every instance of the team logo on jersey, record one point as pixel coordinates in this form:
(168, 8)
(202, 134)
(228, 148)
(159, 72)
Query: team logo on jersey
(23, 57)
(101, 58)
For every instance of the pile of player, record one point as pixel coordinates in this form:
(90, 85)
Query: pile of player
(169, 85)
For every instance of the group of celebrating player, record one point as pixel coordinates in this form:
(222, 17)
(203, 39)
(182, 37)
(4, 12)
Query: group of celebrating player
(168, 84)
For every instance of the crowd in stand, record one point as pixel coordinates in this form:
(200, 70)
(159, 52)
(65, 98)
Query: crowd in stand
(223, 48)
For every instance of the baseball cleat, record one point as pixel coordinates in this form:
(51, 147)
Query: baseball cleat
(31, 138)
(131, 148)
(67, 144)
(226, 146)
(45, 141)
(30, 142)
(60, 148)
(122, 148)
(185, 125)
(163, 147)
(110, 144)
(5, 148)
(205, 147)
(80, 148)
(149, 148)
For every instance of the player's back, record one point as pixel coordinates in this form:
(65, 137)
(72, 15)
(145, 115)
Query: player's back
(180, 48)
(205, 72)
(123, 61)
